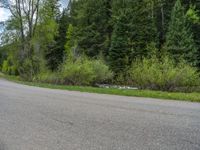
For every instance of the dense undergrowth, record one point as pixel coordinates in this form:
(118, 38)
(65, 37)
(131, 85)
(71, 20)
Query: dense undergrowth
(79, 72)
(165, 75)
(148, 73)
(104, 42)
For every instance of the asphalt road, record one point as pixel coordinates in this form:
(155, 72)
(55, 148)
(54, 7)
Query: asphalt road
(33, 118)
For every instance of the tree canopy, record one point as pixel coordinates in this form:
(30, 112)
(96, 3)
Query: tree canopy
(40, 35)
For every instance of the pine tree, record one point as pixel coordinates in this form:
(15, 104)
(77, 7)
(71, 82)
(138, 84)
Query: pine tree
(143, 27)
(92, 21)
(193, 16)
(179, 41)
(55, 55)
(119, 52)
(141, 24)
(163, 10)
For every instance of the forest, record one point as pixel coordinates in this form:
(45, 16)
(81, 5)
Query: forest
(149, 44)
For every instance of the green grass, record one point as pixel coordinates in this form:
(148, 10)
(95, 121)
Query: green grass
(192, 97)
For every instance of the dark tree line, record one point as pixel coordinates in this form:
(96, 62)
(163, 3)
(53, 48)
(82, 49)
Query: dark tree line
(120, 31)
(123, 30)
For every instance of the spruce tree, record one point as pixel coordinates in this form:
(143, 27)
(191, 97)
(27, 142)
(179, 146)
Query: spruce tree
(141, 26)
(92, 22)
(119, 51)
(55, 55)
(179, 41)
(193, 16)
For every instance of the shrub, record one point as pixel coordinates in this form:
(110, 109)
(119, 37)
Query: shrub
(101, 71)
(30, 68)
(5, 66)
(85, 72)
(8, 67)
(78, 73)
(26, 70)
(123, 79)
(48, 77)
(163, 75)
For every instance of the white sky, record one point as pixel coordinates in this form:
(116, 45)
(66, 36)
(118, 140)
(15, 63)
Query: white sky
(4, 14)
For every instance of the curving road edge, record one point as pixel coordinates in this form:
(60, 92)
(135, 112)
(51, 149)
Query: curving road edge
(33, 118)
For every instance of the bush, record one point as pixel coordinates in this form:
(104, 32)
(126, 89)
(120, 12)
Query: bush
(163, 75)
(8, 67)
(101, 71)
(85, 72)
(30, 68)
(48, 77)
(78, 73)
(5, 66)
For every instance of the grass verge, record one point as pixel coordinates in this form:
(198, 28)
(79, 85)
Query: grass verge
(192, 97)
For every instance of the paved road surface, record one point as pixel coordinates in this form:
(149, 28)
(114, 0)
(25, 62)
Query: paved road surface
(33, 118)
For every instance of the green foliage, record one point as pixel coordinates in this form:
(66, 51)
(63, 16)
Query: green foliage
(70, 44)
(78, 73)
(101, 71)
(9, 67)
(2, 56)
(43, 41)
(30, 68)
(92, 20)
(119, 52)
(163, 75)
(5, 67)
(48, 77)
(180, 42)
(56, 49)
(85, 72)
(123, 31)
(192, 15)
(133, 31)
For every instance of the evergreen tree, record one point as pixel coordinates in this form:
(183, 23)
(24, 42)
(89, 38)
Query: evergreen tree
(163, 10)
(92, 22)
(143, 27)
(119, 52)
(55, 53)
(141, 31)
(193, 16)
(179, 42)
